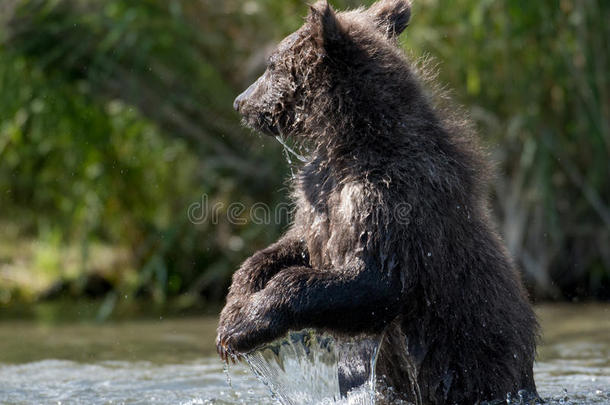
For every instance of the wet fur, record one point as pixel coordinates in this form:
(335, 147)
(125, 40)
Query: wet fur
(459, 328)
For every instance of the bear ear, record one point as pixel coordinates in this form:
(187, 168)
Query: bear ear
(391, 16)
(325, 26)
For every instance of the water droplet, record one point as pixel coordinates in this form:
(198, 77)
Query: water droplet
(225, 370)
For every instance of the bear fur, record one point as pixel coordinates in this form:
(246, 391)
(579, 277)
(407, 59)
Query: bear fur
(391, 232)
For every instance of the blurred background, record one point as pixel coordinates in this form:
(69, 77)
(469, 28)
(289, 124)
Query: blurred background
(116, 117)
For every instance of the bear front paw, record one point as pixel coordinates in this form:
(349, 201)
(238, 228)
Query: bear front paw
(248, 329)
(225, 351)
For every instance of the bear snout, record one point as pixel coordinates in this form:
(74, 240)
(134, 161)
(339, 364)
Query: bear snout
(236, 103)
(243, 97)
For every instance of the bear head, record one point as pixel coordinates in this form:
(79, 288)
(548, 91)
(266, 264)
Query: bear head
(341, 72)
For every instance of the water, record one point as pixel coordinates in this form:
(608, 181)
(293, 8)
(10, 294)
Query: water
(309, 368)
(173, 362)
(289, 151)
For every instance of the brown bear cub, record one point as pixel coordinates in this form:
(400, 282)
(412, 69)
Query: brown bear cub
(391, 231)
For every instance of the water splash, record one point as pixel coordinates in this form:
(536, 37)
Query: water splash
(307, 367)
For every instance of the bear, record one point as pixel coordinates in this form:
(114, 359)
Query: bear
(391, 233)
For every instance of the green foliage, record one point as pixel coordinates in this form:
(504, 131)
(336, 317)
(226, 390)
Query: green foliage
(115, 116)
(77, 164)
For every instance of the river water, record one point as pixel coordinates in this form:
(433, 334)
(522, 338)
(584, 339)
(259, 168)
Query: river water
(173, 362)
